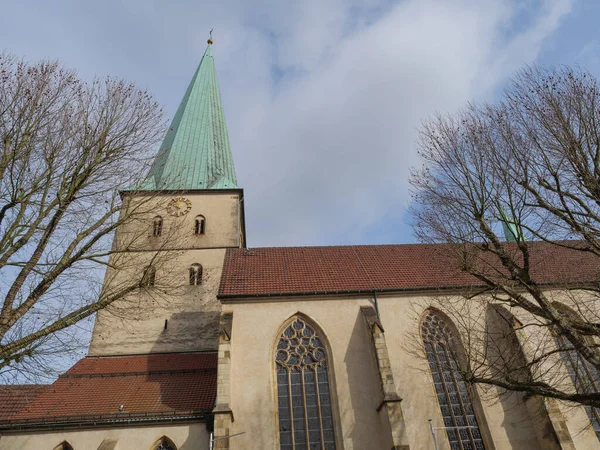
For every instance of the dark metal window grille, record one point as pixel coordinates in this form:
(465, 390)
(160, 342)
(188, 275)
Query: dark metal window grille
(195, 275)
(165, 444)
(157, 224)
(585, 377)
(453, 396)
(304, 400)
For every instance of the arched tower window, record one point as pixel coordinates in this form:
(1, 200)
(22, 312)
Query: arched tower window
(453, 396)
(585, 377)
(303, 389)
(149, 276)
(195, 275)
(199, 225)
(164, 443)
(157, 224)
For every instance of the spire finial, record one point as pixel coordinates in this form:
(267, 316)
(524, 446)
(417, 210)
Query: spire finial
(210, 40)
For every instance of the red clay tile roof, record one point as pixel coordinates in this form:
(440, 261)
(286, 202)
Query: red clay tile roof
(148, 386)
(14, 398)
(309, 270)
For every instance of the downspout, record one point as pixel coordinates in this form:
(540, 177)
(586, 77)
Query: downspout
(376, 306)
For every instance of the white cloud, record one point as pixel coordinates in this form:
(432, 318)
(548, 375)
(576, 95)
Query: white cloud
(329, 155)
(323, 99)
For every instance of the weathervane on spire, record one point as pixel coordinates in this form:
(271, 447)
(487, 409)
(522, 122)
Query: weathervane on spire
(210, 40)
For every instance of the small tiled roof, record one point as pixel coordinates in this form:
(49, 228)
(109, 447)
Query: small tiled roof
(14, 398)
(148, 386)
(365, 268)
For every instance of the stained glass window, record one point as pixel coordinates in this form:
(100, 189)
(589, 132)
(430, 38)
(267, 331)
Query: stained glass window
(303, 390)
(585, 376)
(453, 396)
(165, 444)
(64, 446)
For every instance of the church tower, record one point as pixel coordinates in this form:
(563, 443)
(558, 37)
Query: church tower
(193, 213)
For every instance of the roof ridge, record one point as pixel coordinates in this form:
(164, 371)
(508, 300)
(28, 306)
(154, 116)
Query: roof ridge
(136, 355)
(406, 244)
(138, 373)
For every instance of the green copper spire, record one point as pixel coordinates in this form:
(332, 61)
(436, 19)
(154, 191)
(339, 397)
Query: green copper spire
(512, 230)
(195, 153)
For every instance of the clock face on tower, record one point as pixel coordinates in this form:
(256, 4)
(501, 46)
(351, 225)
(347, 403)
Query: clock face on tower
(179, 206)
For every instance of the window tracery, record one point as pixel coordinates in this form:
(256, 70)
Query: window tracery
(157, 224)
(585, 377)
(453, 396)
(64, 446)
(165, 444)
(303, 389)
(195, 275)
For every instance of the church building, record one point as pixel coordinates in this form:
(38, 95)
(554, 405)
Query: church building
(232, 347)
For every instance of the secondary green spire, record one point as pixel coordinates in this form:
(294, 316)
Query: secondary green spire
(195, 153)
(512, 230)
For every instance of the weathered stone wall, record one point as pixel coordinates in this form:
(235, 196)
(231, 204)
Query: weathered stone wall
(507, 423)
(170, 316)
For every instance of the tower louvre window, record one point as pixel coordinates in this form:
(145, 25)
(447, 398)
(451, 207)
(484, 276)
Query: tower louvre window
(195, 275)
(199, 225)
(303, 389)
(452, 392)
(157, 224)
(149, 276)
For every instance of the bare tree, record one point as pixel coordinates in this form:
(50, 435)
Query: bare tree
(511, 187)
(66, 147)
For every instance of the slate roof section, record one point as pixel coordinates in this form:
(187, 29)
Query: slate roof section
(195, 153)
(310, 270)
(14, 398)
(155, 386)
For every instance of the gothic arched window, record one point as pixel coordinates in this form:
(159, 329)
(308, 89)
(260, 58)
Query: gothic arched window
(585, 377)
(64, 445)
(149, 276)
(195, 275)
(199, 225)
(164, 443)
(303, 389)
(157, 224)
(453, 396)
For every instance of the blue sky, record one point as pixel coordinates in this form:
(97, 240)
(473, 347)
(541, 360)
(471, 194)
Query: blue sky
(323, 99)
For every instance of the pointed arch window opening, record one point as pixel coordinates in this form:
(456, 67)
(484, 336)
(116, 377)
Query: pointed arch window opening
(584, 376)
(456, 406)
(165, 444)
(303, 389)
(195, 275)
(157, 225)
(64, 446)
(199, 225)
